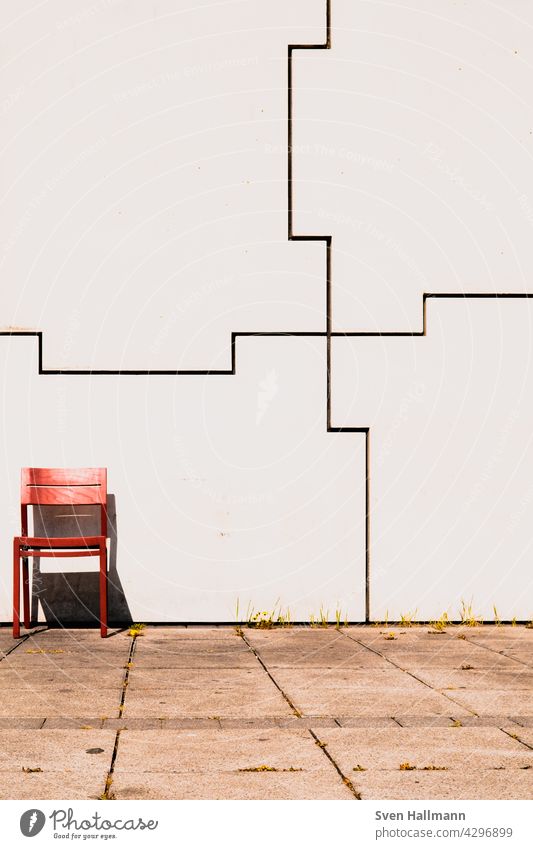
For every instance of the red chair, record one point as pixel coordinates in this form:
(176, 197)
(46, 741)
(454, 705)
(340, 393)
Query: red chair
(70, 487)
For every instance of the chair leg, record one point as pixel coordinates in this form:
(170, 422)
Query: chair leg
(26, 591)
(103, 591)
(16, 588)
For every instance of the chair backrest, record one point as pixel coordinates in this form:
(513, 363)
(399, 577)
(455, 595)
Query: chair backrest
(64, 486)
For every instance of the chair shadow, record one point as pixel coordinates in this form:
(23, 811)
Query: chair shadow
(71, 598)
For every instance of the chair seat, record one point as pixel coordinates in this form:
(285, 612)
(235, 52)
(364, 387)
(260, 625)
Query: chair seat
(62, 542)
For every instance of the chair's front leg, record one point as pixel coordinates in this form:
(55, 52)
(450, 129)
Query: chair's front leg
(16, 588)
(26, 591)
(103, 590)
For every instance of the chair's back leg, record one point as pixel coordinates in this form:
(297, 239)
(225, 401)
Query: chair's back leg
(26, 591)
(103, 591)
(16, 588)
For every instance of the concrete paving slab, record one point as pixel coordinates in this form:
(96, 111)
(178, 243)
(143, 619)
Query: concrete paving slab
(482, 784)
(185, 655)
(197, 659)
(82, 640)
(226, 701)
(478, 679)
(503, 633)
(298, 640)
(198, 680)
(64, 784)
(201, 654)
(447, 660)
(86, 647)
(377, 703)
(322, 659)
(207, 750)
(83, 723)
(239, 786)
(453, 631)
(203, 693)
(436, 647)
(314, 722)
(181, 633)
(367, 721)
(496, 702)
(62, 701)
(78, 634)
(501, 645)
(337, 649)
(524, 657)
(420, 634)
(51, 659)
(339, 679)
(85, 678)
(454, 748)
(293, 636)
(188, 723)
(14, 722)
(307, 722)
(67, 765)
(348, 694)
(427, 721)
(53, 751)
(486, 721)
(137, 724)
(259, 723)
(402, 640)
(178, 645)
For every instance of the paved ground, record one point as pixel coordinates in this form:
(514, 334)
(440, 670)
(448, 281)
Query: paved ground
(295, 713)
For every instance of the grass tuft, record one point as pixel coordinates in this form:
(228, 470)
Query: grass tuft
(439, 625)
(265, 768)
(468, 616)
(406, 619)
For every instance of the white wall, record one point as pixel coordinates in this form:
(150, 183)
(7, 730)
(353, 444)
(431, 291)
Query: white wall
(415, 140)
(143, 220)
(451, 423)
(143, 211)
(226, 487)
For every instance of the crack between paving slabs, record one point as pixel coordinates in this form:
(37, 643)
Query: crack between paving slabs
(108, 794)
(516, 660)
(412, 674)
(323, 746)
(514, 736)
(499, 653)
